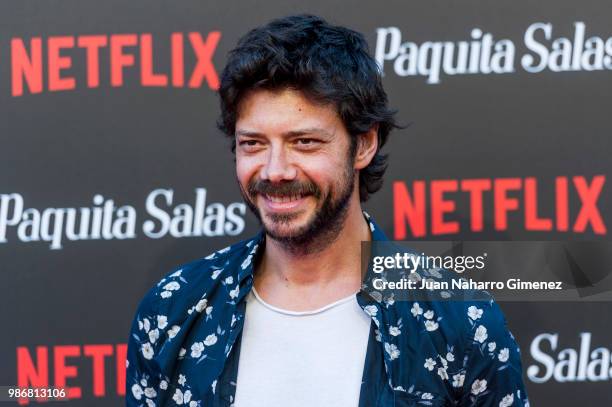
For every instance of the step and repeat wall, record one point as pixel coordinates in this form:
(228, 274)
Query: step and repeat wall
(112, 171)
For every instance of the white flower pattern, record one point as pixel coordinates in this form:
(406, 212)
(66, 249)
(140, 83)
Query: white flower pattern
(479, 386)
(196, 349)
(429, 364)
(431, 325)
(481, 334)
(392, 350)
(474, 312)
(458, 379)
(172, 332)
(416, 310)
(507, 401)
(504, 354)
(147, 351)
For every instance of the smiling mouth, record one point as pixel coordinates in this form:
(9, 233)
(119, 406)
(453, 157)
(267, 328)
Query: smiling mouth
(284, 203)
(283, 198)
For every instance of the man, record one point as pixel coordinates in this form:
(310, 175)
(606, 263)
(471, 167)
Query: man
(282, 319)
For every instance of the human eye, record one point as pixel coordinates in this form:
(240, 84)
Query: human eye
(307, 142)
(249, 144)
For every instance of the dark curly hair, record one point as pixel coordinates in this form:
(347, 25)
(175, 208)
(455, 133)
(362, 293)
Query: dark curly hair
(331, 65)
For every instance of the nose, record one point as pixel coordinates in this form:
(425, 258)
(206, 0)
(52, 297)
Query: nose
(278, 167)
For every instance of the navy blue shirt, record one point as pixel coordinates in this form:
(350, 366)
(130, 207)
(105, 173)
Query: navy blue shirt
(184, 344)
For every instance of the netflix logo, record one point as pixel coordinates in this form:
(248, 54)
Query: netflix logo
(58, 366)
(47, 64)
(428, 208)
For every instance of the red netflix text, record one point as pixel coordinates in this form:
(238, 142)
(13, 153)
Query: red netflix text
(30, 58)
(427, 207)
(57, 366)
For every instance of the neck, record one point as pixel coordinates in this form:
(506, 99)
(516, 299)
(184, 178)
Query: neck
(304, 281)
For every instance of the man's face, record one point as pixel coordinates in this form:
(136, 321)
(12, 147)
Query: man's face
(294, 165)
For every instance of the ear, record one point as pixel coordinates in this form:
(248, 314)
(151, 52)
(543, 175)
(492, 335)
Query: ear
(367, 144)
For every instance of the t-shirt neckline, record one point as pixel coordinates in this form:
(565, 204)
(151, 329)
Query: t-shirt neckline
(303, 313)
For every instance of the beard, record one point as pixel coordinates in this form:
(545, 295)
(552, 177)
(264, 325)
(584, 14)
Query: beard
(324, 225)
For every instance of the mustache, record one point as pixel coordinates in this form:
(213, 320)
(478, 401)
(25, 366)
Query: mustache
(285, 188)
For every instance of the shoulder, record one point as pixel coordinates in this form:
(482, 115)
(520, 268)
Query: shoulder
(182, 287)
(173, 304)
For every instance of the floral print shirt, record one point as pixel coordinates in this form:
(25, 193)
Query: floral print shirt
(184, 343)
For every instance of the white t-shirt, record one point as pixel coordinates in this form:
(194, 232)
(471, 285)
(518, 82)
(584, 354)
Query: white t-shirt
(302, 359)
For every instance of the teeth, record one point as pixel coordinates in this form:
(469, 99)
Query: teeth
(283, 199)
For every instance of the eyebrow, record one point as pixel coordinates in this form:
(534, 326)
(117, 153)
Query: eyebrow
(292, 133)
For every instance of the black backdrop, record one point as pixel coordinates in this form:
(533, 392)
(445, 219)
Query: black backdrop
(150, 153)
